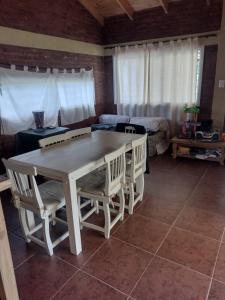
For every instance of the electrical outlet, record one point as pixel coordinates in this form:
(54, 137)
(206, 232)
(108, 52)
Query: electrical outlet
(221, 84)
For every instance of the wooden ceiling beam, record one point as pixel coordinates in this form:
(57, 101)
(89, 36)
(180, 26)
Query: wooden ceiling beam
(165, 5)
(126, 7)
(88, 4)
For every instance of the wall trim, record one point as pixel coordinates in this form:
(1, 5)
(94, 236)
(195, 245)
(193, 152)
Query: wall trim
(22, 38)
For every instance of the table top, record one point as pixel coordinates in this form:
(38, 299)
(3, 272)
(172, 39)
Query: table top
(72, 155)
(192, 142)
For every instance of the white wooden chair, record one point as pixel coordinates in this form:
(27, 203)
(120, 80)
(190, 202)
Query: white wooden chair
(52, 140)
(102, 187)
(43, 200)
(72, 134)
(135, 172)
(130, 129)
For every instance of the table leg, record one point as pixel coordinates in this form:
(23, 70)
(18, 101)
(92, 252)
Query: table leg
(72, 212)
(174, 150)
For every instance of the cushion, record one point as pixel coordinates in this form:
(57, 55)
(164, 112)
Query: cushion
(93, 183)
(151, 123)
(52, 194)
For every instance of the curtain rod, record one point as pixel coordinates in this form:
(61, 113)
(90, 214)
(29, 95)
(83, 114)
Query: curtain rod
(167, 39)
(32, 68)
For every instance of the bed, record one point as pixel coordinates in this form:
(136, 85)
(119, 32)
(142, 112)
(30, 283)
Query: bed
(157, 128)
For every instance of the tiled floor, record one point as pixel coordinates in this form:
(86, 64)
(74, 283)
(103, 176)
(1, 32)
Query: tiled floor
(173, 247)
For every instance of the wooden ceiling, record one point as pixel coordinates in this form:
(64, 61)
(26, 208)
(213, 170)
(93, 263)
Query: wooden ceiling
(102, 9)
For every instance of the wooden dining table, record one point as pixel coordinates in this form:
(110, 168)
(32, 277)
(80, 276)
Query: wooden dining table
(69, 161)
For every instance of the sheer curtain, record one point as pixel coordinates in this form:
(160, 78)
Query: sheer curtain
(23, 92)
(156, 79)
(77, 96)
(131, 79)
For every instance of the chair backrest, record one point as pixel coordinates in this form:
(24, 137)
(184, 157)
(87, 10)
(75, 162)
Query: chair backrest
(129, 129)
(115, 170)
(122, 127)
(24, 187)
(72, 134)
(138, 160)
(52, 140)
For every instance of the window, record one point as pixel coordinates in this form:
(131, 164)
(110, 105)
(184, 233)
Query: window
(23, 92)
(157, 79)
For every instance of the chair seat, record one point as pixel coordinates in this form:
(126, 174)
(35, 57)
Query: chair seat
(93, 183)
(52, 194)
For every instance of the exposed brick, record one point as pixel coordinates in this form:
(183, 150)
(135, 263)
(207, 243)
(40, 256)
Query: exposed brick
(62, 18)
(184, 17)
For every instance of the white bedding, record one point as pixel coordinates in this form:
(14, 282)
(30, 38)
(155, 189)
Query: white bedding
(152, 123)
(158, 143)
(113, 119)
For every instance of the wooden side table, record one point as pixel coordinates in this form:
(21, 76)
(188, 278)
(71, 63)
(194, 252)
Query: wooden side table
(199, 144)
(8, 288)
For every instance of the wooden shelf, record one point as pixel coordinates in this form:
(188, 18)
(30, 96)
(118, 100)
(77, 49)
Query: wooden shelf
(217, 159)
(199, 144)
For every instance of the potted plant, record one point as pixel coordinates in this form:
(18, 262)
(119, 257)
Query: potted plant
(192, 112)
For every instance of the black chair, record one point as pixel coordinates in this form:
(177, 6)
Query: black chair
(138, 129)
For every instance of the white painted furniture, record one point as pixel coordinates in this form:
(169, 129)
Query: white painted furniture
(102, 187)
(72, 134)
(70, 161)
(43, 200)
(135, 172)
(130, 129)
(52, 140)
(8, 288)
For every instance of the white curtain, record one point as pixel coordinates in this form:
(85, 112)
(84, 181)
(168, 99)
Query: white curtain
(22, 92)
(131, 78)
(77, 96)
(156, 79)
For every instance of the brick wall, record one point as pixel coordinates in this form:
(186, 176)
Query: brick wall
(184, 17)
(108, 67)
(62, 18)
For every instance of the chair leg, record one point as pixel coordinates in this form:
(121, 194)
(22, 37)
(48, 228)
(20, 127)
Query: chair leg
(23, 223)
(131, 198)
(96, 206)
(122, 203)
(53, 219)
(47, 237)
(140, 181)
(107, 219)
(30, 219)
(79, 208)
